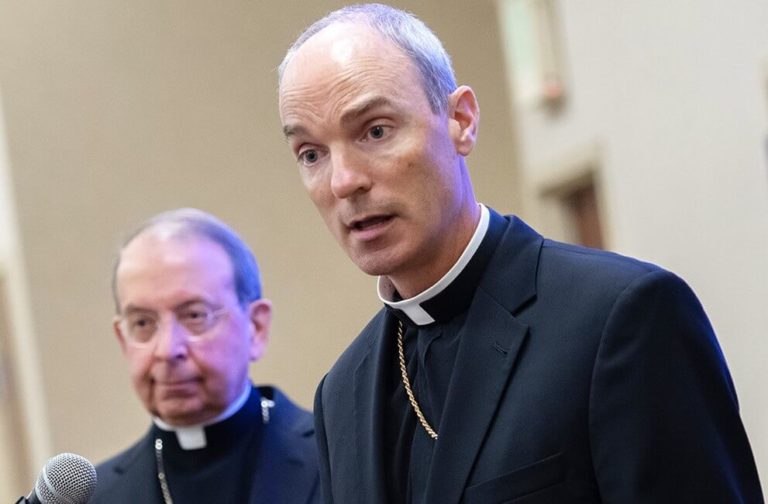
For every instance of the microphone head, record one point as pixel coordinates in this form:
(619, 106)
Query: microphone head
(66, 479)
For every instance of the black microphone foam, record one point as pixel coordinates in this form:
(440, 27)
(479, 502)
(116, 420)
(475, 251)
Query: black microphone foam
(65, 479)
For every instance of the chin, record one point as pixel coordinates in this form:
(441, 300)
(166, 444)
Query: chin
(374, 268)
(180, 415)
(385, 259)
(183, 419)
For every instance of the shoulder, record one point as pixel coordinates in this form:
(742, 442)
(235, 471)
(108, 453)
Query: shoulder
(549, 256)
(336, 386)
(527, 267)
(288, 447)
(122, 462)
(360, 346)
(291, 417)
(562, 262)
(290, 428)
(598, 265)
(118, 473)
(614, 275)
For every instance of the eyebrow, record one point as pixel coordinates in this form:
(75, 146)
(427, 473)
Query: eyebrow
(362, 108)
(290, 130)
(130, 309)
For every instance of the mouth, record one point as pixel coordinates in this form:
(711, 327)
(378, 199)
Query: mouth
(176, 385)
(370, 227)
(369, 222)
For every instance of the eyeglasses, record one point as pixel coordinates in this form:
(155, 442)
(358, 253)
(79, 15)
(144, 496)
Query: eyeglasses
(140, 327)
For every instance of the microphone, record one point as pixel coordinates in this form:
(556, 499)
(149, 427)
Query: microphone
(65, 479)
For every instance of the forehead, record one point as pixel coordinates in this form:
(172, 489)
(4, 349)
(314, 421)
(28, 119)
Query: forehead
(341, 63)
(344, 44)
(162, 262)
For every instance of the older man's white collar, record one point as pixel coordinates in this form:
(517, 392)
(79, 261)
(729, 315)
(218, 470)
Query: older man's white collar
(192, 437)
(412, 306)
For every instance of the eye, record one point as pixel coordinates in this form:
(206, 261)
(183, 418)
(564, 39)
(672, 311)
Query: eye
(309, 157)
(197, 316)
(377, 132)
(140, 321)
(140, 327)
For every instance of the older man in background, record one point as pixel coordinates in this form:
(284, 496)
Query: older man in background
(190, 320)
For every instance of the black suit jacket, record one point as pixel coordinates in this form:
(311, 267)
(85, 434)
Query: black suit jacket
(284, 469)
(581, 376)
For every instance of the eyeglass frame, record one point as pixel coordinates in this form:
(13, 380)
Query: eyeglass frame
(193, 334)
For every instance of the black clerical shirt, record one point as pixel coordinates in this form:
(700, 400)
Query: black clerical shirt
(221, 471)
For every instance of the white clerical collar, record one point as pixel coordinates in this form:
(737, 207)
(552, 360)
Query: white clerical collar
(192, 437)
(412, 306)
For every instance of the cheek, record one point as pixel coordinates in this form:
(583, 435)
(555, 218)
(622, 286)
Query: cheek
(422, 183)
(140, 367)
(314, 180)
(319, 192)
(225, 354)
(325, 203)
(141, 378)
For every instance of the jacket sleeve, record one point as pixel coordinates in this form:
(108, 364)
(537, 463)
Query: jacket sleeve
(664, 420)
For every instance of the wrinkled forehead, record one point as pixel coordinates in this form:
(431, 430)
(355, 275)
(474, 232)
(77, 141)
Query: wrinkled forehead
(166, 248)
(340, 66)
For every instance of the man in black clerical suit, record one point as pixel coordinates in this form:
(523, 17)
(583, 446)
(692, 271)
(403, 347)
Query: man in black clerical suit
(504, 367)
(190, 320)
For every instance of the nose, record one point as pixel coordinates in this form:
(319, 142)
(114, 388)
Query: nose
(349, 174)
(170, 341)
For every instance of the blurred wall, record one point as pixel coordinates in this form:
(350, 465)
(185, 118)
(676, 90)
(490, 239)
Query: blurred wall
(117, 110)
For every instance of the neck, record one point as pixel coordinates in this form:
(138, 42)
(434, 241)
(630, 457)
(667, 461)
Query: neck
(413, 282)
(231, 409)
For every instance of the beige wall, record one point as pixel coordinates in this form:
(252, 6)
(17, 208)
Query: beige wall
(117, 110)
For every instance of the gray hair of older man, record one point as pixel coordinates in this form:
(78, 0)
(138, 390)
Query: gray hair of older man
(186, 222)
(408, 33)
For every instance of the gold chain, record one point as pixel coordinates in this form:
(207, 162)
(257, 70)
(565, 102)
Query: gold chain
(407, 383)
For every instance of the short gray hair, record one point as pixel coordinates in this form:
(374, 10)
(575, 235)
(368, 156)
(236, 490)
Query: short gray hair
(407, 32)
(194, 222)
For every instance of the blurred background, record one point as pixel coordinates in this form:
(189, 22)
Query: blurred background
(639, 127)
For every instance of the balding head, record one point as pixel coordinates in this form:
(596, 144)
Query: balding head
(404, 30)
(190, 222)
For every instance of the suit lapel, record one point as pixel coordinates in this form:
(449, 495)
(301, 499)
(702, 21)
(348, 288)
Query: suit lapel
(370, 391)
(490, 343)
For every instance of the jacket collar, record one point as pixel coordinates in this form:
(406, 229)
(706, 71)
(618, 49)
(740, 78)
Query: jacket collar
(453, 293)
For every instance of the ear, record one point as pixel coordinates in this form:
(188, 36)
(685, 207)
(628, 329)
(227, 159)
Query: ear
(464, 119)
(117, 328)
(260, 316)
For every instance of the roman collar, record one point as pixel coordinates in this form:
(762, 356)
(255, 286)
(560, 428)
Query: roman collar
(193, 437)
(453, 293)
